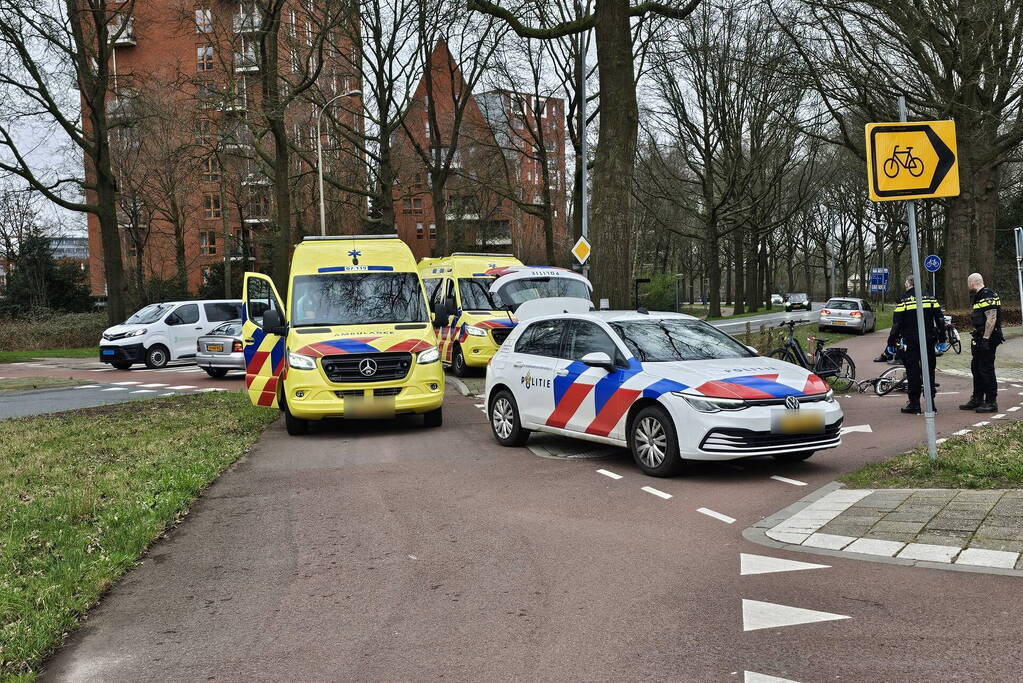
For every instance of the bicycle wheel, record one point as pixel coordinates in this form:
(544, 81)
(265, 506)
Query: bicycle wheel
(892, 379)
(915, 166)
(891, 167)
(839, 369)
(957, 344)
(783, 354)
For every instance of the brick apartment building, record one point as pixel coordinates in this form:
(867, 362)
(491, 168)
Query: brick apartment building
(498, 184)
(186, 85)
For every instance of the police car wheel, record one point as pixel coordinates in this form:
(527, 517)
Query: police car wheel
(156, 357)
(654, 443)
(458, 365)
(504, 420)
(793, 457)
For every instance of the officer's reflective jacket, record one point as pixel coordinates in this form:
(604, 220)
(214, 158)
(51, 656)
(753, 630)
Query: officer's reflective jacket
(904, 319)
(985, 300)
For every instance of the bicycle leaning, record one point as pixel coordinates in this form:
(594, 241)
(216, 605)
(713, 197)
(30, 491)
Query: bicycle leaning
(833, 365)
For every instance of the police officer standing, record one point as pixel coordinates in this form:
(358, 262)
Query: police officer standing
(986, 318)
(904, 327)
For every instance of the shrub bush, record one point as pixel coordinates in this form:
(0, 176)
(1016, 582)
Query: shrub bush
(50, 330)
(961, 319)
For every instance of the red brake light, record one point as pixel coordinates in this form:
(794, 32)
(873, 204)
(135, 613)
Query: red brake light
(236, 346)
(856, 314)
(825, 311)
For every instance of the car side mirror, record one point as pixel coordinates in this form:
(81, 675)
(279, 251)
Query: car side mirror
(440, 315)
(599, 359)
(753, 350)
(273, 323)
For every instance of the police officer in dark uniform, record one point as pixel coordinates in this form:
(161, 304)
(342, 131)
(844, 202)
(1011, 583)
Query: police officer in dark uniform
(986, 318)
(904, 327)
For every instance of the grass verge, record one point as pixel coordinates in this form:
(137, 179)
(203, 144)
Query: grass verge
(84, 493)
(30, 383)
(991, 458)
(18, 356)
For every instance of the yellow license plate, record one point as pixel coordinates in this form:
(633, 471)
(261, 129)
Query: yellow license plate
(214, 347)
(797, 422)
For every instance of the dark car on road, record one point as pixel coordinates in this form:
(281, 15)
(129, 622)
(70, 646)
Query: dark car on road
(798, 301)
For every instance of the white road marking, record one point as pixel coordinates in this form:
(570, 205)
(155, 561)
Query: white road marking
(857, 428)
(754, 677)
(1013, 409)
(182, 386)
(1017, 386)
(962, 432)
(479, 405)
(982, 424)
(786, 480)
(144, 391)
(152, 386)
(762, 564)
(102, 370)
(609, 474)
(169, 393)
(90, 386)
(999, 416)
(940, 441)
(115, 389)
(121, 384)
(716, 515)
(946, 393)
(758, 615)
(661, 494)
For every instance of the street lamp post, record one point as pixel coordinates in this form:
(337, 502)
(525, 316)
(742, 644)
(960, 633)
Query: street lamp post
(319, 154)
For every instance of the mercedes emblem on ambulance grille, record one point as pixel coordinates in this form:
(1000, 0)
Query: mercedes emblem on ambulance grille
(368, 367)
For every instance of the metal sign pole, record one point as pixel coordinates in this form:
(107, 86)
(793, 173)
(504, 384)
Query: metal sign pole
(932, 446)
(581, 94)
(1019, 263)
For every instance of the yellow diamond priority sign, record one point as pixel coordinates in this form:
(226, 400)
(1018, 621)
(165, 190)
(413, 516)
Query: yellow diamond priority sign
(914, 160)
(581, 250)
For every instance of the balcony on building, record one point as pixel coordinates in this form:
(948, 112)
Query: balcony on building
(122, 30)
(246, 60)
(248, 20)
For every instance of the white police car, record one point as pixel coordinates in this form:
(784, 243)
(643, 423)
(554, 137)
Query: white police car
(668, 386)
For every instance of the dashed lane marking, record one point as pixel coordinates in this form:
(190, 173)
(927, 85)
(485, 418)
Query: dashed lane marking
(857, 428)
(102, 370)
(124, 384)
(999, 416)
(144, 391)
(758, 615)
(609, 474)
(152, 386)
(1013, 409)
(983, 423)
(762, 564)
(115, 389)
(754, 677)
(716, 515)
(660, 494)
(962, 432)
(169, 393)
(89, 386)
(940, 441)
(786, 480)
(182, 386)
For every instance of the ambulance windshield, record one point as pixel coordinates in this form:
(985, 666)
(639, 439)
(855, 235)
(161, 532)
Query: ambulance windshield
(475, 294)
(654, 341)
(357, 299)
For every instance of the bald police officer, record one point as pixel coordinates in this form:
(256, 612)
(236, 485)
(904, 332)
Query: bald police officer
(986, 317)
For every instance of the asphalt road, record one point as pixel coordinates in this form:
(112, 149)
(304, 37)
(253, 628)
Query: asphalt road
(105, 385)
(388, 552)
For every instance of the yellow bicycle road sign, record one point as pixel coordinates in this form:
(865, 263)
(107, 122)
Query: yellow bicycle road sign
(914, 160)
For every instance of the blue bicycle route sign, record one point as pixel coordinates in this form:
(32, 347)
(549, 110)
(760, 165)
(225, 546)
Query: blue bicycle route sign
(879, 280)
(932, 263)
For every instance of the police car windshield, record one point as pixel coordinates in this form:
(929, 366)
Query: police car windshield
(527, 289)
(476, 295)
(357, 299)
(149, 314)
(656, 341)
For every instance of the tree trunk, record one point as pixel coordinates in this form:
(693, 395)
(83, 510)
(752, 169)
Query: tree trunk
(615, 156)
(739, 266)
(713, 273)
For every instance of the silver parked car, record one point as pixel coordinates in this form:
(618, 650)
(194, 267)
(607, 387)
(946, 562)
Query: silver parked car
(221, 349)
(847, 312)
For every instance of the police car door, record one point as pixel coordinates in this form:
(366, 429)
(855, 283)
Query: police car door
(535, 363)
(602, 402)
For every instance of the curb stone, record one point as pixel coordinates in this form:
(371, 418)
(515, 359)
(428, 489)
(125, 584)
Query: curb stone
(757, 533)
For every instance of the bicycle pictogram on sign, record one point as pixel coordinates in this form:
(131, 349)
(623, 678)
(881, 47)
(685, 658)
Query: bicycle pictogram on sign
(903, 159)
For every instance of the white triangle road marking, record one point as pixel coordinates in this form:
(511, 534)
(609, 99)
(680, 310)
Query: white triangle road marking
(758, 615)
(762, 564)
(857, 428)
(754, 677)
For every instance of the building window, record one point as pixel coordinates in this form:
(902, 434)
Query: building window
(203, 20)
(433, 231)
(207, 275)
(417, 207)
(207, 243)
(204, 58)
(406, 206)
(210, 205)
(207, 94)
(419, 231)
(210, 170)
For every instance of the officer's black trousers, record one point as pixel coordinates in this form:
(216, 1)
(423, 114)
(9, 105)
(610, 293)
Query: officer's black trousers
(985, 387)
(914, 377)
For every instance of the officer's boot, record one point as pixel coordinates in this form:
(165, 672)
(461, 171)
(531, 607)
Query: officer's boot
(987, 407)
(912, 408)
(971, 404)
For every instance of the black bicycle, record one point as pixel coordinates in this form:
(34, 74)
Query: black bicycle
(833, 365)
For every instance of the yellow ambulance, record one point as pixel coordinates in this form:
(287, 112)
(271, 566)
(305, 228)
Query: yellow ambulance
(354, 339)
(470, 324)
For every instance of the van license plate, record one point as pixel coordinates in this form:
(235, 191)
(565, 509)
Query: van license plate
(215, 347)
(108, 352)
(806, 421)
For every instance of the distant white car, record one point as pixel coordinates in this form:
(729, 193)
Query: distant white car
(668, 386)
(777, 300)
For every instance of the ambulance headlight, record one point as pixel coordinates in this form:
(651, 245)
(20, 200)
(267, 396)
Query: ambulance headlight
(706, 404)
(430, 355)
(300, 362)
(136, 333)
(474, 331)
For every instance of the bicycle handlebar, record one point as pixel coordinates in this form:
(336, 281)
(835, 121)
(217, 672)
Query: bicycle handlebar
(793, 323)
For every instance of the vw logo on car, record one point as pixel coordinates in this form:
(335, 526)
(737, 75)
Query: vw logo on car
(368, 367)
(792, 403)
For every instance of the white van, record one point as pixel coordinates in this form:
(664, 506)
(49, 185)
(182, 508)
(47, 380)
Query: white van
(160, 333)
